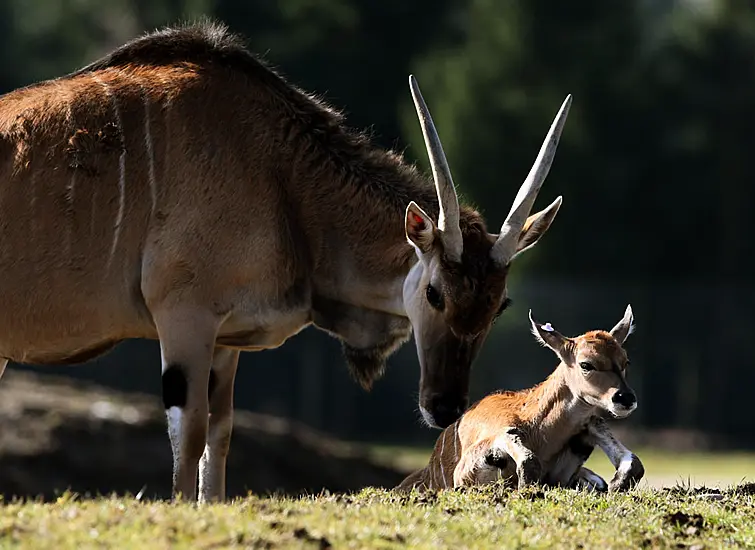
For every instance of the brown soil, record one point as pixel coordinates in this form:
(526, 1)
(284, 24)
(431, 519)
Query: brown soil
(56, 435)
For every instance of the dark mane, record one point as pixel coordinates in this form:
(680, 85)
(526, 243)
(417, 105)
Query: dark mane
(211, 44)
(201, 43)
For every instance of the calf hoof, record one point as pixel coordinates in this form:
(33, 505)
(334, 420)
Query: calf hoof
(587, 480)
(626, 477)
(529, 472)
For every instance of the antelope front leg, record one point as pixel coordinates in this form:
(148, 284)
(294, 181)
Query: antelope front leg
(187, 341)
(629, 469)
(212, 466)
(529, 470)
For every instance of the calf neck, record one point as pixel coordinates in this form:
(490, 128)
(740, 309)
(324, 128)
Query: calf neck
(545, 434)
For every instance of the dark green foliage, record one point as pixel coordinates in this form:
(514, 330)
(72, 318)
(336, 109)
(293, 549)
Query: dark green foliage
(654, 166)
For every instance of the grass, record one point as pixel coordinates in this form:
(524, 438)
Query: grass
(490, 517)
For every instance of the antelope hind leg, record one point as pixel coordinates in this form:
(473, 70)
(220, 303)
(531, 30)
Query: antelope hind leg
(212, 466)
(187, 341)
(629, 469)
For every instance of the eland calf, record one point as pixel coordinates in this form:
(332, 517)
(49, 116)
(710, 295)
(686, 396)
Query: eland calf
(546, 433)
(179, 189)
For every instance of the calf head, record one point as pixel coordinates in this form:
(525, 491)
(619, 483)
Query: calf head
(595, 364)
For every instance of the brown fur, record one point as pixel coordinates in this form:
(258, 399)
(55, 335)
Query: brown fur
(181, 189)
(548, 422)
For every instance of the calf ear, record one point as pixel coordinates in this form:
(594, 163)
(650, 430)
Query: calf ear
(551, 338)
(625, 327)
(420, 229)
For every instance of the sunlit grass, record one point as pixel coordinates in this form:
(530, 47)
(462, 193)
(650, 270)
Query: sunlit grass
(489, 517)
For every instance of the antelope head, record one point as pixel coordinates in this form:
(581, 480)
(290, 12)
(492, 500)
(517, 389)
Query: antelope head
(595, 364)
(457, 289)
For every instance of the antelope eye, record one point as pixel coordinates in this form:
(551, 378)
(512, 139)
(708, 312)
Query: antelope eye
(585, 366)
(434, 298)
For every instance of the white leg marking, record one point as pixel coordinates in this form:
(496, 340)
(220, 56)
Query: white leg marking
(3, 364)
(174, 415)
(211, 454)
(150, 154)
(625, 465)
(121, 169)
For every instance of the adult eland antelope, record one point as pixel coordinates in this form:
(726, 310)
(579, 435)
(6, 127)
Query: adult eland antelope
(179, 189)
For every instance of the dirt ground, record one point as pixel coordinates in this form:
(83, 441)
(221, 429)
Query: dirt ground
(55, 435)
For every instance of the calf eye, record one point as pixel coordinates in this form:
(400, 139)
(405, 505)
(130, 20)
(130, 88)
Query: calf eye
(434, 298)
(585, 366)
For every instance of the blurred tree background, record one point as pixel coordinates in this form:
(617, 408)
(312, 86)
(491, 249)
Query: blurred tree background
(654, 166)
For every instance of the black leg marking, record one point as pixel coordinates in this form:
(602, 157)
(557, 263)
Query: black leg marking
(211, 384)
(175, 387)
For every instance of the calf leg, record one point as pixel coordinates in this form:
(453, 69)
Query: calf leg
(586, 479)
(212, 466)
(470, 461)
(187, 341)
(629, 469)
(528, 467)
(567, 468)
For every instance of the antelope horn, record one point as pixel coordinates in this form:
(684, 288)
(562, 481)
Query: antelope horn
(505, 246)
(448, 218)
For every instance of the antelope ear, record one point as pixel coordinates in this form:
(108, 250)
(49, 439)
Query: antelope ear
(535, 227)
(625, 327)
(420, 229)
(551, 338)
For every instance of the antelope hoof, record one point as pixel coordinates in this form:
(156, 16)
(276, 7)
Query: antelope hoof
(529, 472)
(626, 477)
